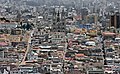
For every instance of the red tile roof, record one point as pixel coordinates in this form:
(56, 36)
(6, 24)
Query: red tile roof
(80, 55)
(3, 44)
(108, 34)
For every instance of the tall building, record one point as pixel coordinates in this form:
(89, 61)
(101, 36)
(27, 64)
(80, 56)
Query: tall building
(58, 21)
(58, 26)
(115, 20)
(84, 13)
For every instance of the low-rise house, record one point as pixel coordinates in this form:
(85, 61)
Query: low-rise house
(80, 56)
(8, 25)
(94, 71)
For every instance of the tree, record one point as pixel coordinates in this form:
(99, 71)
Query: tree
(27, 26)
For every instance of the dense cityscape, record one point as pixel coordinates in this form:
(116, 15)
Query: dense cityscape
(59, 37)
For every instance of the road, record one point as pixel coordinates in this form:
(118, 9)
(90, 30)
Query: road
(28, 48)
(66, 44)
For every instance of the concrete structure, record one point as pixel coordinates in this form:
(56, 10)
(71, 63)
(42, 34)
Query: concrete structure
(58, 21)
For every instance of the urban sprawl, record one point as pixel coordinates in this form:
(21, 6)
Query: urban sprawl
(59, 37)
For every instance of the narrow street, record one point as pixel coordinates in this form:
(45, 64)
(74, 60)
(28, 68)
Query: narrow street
(28, 48)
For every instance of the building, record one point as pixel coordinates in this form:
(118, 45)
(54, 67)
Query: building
(8, 25)
(58, 21)
(115, 20)
(84, 13)
(95, 71)
(58, 27)
(58, 37)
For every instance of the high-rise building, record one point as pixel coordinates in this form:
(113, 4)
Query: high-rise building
(84, 13)
(115, 20)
